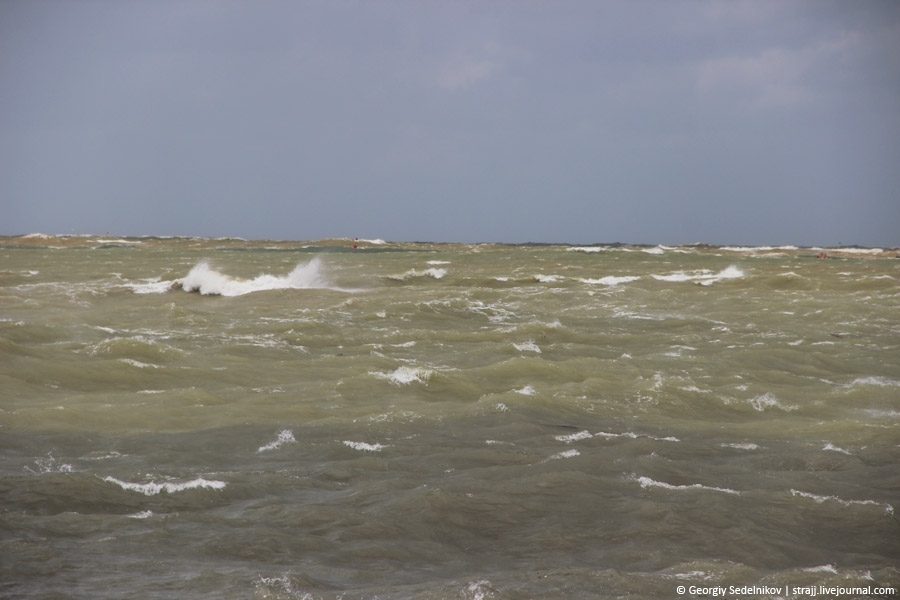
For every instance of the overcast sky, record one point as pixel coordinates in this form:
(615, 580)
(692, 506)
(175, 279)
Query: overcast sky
(667, 121)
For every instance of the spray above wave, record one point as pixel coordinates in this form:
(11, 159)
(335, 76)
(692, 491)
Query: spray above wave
(209, 282)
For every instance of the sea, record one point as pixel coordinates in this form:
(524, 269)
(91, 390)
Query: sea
(338, 419)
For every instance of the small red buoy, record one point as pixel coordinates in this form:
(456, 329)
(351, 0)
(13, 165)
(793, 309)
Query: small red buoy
(355, 240)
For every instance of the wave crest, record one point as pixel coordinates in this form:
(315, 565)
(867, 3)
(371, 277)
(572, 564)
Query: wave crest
(209, 282)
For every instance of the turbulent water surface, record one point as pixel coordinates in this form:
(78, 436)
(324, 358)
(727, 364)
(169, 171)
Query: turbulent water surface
(189, 418)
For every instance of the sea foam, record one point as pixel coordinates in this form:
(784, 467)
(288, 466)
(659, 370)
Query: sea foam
(405, 375)
(647, 482)
(170, 487)
(888, 508)
(611, 280)
(364, 447)
(285, 436)
(702, 276)
(208, 281)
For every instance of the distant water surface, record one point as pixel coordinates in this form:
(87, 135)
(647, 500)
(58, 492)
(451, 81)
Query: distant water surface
(195, 418)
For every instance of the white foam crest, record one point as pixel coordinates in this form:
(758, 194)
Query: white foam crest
(139, 364)
(285, 436)
(208, 281)
(634, 436)
(151, 286)
(118, 241)
(588, 249)
(611, 280)
(768, 400)
(888, 508)
(170, 487)
(876, 381)
(757, 248)
(405, 375)
(281, 586)
(50, 465)
(479, 590)
(656, 250)
(540, 278)
(574, 437)
(832, 448)
(741, 446)
(702, 276)
(528, 346)
(647, 482)
(822, 569)
(415, 273)
(526, 391)
(565, 454)
(364, 447)
(853, 250)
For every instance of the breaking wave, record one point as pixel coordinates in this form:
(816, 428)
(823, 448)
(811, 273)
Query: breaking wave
(703, 276)
(170, 487)
(415, 273)
(207, 281)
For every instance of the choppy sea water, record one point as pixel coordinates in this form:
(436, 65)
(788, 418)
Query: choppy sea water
(193, 418)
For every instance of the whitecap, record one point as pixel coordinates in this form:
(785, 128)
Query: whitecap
(528, 346)
(832, 448)
(757, 248)
(822, 569)
(170, 487)
(478, 590)
(139, 364)
(566, 454)
(768, 400)
(656, 250)
(574, 437)
(208, 281)
(741, 446)
(526, 391)
(876, 381)
(415, 273)
(405, 375)
(647, 482)
(285, 436)
(540, 278)
(364, 447)
(50, 465)
(151, 286)
(888, 508)
(854, 250)
(611, 280)
(634, 436)
(118, 241)
(702, 276)
(587, 249)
